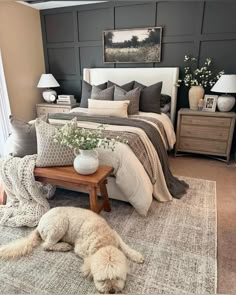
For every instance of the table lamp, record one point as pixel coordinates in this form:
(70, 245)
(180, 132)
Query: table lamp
(47, 81)
(226, 84)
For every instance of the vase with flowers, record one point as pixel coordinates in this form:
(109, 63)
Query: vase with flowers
(198, 79)
(85, 142)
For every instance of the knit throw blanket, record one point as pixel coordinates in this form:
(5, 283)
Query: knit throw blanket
(26, 198)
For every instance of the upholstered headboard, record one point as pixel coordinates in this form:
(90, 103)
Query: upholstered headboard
(146, 76)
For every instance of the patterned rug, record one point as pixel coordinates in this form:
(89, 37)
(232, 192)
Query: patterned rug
(178, 240)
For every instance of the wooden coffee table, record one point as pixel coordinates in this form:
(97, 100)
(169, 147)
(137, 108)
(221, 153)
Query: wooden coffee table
(67, 177)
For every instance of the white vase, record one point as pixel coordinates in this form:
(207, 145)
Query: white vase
(86, 162)
(225, 103)
(194, 95)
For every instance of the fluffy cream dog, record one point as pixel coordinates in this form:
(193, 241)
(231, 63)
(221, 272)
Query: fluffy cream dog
(63, 228)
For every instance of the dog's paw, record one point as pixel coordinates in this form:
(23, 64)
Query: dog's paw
(139, 258)
(85, 268)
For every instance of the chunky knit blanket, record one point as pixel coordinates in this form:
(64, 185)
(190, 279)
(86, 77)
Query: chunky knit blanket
(27, 198)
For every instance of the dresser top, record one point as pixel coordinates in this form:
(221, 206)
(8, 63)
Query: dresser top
(208, 114)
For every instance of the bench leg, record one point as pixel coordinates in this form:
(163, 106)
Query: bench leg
(106, 203)
(94, 200)
(3, 196)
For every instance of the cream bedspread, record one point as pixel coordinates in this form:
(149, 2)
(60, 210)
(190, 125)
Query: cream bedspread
(131, 178)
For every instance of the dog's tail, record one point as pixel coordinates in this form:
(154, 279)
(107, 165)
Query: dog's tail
(21, 247)
(129, 252)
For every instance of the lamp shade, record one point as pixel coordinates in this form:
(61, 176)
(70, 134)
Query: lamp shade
(226, 84)
(47, 81)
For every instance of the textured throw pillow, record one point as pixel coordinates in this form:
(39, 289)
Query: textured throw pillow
(165, 99)
(106, 94)
(108, 108)
(86, 92)
(22, 141)
(166, 108)
(126, 87)
(133, 96)
(51, 153)
(150, 97)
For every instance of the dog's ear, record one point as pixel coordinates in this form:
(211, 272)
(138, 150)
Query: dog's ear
(86, 268)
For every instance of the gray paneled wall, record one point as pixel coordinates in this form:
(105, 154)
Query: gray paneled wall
(73, 36)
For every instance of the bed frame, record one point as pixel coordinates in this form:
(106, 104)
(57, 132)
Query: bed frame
(146, 76)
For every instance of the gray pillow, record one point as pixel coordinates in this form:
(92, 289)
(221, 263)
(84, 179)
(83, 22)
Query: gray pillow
(165, 99)
(126, 87)
(51, 153)
(106, 94)
(86, 92)
(133, 96)
(166, 108)
(22, 141)
(150, 97)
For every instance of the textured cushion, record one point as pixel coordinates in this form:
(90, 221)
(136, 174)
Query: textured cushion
(150, 97)
(106, 94)
(166, 108)
(133, 96)
(51, 153)
(22, 141)
(126, 87)
(86, 92)
(108, 108)
(165, 99)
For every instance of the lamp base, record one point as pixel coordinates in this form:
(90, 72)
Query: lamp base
(49, 95)
(225, 103)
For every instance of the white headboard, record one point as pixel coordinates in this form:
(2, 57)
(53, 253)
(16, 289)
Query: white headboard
(146, 76)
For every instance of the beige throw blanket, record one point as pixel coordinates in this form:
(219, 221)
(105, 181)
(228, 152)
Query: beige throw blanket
(27, 198)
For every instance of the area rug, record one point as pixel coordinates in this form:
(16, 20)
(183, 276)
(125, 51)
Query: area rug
(178, 240)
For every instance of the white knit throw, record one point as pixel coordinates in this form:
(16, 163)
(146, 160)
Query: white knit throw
(27, 198)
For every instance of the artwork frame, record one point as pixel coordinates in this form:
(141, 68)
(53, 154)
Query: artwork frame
(210, 102)
(132, 50)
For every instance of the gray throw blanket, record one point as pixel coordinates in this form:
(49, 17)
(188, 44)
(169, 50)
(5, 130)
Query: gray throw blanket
(176, 187)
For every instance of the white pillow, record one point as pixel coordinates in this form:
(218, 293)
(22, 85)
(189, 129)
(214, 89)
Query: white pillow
(108, 108)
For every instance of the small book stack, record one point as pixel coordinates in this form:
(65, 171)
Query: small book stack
(66, 99)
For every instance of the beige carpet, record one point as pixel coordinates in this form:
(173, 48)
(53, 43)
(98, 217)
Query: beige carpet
(178, 240)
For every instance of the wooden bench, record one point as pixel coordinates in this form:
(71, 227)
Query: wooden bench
(67, 177)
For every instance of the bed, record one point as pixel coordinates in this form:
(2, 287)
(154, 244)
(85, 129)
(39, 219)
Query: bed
(131, 181)
(146, 76)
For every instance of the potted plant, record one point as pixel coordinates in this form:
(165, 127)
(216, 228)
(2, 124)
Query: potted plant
(198, 79)
(84, 142)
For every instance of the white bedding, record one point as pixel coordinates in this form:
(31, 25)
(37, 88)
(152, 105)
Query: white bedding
(131, 182)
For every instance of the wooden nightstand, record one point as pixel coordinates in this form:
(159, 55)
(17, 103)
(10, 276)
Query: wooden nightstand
(205, 133)
(49, 108)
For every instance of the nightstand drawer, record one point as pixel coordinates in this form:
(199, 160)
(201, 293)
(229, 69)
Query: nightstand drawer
(58, 110)
(203, 145)
(40, 114)
(65, 110)
(206, 121)
(42, 111)
(46, 108)
(204, 132)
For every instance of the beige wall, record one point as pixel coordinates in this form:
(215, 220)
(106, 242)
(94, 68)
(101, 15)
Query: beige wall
(22, 54)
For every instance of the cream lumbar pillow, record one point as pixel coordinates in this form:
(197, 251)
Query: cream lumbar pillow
(108, 108)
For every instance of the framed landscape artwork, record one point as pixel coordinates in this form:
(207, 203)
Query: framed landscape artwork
(132, 45)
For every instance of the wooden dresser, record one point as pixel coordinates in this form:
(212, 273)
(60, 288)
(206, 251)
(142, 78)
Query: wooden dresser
(49, 108)
(205, 133)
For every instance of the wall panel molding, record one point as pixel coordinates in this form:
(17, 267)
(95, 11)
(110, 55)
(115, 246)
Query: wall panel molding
(199, 28)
